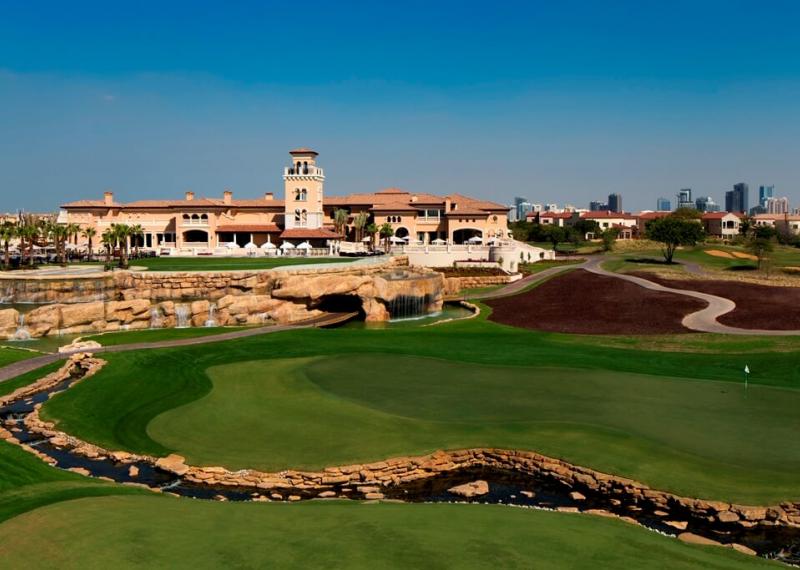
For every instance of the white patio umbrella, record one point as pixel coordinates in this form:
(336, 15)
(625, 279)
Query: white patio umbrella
(475, 239)
(250, 245)
(287, 245)
(304, 245)
(268, 245)
(395, 239)
(438, 241)
(232, 245)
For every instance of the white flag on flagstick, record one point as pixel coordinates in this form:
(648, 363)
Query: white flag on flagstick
(746, 369)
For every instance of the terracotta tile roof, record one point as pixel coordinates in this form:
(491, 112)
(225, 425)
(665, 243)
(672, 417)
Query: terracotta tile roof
(306, 233)
(303, 150)
(257, 203)
(90, 204)
(718, 215)
(556, 215)
(246, 228)
(394, 207)
(607, 215)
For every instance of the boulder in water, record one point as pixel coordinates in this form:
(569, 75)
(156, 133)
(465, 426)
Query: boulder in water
(469, 490)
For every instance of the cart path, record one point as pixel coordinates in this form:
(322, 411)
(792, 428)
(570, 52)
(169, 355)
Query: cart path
(17, 368)
(704, 320)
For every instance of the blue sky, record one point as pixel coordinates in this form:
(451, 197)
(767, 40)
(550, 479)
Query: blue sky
(557, 101)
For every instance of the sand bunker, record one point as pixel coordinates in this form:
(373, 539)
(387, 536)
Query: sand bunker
(718, 253)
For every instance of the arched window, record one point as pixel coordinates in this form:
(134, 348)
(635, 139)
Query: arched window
(297, 216)
(195, 217)
(305, 168)
(297, 194)
(204, 217)
(186, 216)
(304, 217)
(399, 219)
(303, 194)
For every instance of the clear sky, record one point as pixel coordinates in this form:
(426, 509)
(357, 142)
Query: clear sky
(561, 101)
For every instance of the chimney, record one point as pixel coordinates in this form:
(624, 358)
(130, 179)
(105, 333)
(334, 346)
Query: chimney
(108, 197)
(447, 205)
(269, 196)
(414, 198)
(189, 195)
(227, 197)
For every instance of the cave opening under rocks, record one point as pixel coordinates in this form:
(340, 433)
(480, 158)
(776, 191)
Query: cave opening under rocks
(342, 304)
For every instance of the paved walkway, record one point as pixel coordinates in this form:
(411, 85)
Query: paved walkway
(23, 366)
(704, 320)
(524, 283)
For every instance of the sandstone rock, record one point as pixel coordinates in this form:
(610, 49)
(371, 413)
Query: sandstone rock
(327, 494)
(679, 525)
(172, 463)
(528, 494)
(373, 496)
(77, 344)
(468, 490)
(9, 321)
(133, 471)
(727, 517)
(43, 320)
(80, 471)
(743, 549)
(295, 498)
(691, 538)
(78, 314)
(576, 496)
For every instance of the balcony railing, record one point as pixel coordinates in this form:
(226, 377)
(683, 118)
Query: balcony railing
(303, 171)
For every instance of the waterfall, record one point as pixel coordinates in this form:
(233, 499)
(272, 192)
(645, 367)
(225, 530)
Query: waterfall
(211, 321)
(156, 318)
(408, 306)
(183, 314)
(22, 332)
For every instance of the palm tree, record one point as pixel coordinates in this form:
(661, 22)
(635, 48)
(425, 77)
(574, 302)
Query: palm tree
(122, 232)
(89, 233)
(358, 223)
(136, 232)
(339, 220)
(386, 232)
(108, 240)
(8, 231)
(28, 232)
(371, 229)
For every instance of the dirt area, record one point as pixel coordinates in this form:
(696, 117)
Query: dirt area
(585, 303)
(757, 306)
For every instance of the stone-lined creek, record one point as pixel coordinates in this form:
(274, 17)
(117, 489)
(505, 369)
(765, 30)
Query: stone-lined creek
(514, 478)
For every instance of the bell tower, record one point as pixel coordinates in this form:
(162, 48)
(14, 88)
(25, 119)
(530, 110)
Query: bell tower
(302, 182)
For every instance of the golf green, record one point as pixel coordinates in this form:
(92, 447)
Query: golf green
(156, 532)
(699, 438)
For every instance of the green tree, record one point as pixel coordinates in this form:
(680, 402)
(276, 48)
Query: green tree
(686, 213)
(386, 231)
(760, 242)
(136, 232)
(371, 230)
(359, 222)
(609, 238)
(583, 227)
(109, 240)
(121, 233)
(554, 234)
(340, 220)
(8, 231)
(673, 231)
(89, 234)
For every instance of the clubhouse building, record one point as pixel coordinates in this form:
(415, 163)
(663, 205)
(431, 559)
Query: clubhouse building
(303, 215)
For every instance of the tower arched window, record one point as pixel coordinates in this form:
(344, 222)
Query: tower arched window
(304, 217)
(297, 194)
(305, 167)
(297, 216)
(303, 194)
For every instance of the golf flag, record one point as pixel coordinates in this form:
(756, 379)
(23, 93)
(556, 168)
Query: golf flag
(746, 375)
(746, 369)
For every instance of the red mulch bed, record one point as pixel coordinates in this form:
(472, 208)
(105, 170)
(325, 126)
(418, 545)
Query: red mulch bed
(757, 306)
(581, 302)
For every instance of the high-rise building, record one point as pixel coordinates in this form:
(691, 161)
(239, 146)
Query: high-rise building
(663, 205)
(615, 202)
(706, 204)
(517, 212)
(737, 200)
(685, 198)
(764, 194)
(598, 206)
(777, 205)
(523, 209)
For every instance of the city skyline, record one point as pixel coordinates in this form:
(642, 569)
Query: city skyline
(592, 101)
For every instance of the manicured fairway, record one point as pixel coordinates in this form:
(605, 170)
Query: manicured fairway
(9, 355)
(698, 438)
(157, 335)
(230, 263)
(156, 532)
